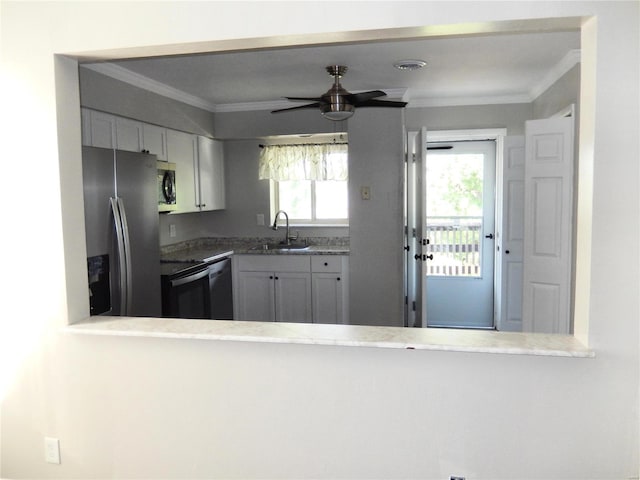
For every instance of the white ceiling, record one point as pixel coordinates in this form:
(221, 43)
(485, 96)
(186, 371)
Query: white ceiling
(501, 68)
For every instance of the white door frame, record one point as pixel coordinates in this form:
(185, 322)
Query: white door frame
(497, 135)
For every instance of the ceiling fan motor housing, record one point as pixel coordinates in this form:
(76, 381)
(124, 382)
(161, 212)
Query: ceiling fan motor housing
(334, 105)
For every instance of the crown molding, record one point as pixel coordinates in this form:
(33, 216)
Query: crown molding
(464, 101)
(124, 75)
(571, 59)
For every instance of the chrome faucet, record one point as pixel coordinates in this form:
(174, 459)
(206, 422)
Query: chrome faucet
(275, 226)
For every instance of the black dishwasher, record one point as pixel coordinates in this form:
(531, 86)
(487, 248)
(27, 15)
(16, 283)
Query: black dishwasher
(185, 290)
(220, 289)
(192, 289)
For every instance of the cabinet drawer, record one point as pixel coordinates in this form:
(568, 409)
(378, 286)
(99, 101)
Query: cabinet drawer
(274, 263)
(326, 263)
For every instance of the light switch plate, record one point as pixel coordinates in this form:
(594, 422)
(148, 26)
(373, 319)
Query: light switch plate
(365, 193)
(52, 450)
(260, 218)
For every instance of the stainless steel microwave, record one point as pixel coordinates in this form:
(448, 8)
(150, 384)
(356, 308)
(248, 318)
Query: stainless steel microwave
(167, 193)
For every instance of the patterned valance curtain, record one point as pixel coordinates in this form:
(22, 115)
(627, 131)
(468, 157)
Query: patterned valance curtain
(304, 162)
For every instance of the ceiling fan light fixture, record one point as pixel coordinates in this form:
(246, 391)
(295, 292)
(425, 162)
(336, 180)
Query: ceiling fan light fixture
(337, 111)
(410, 64)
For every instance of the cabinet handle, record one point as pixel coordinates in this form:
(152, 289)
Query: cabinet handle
(277, 278)
(338, 278)
(270, 277)
(326, 264)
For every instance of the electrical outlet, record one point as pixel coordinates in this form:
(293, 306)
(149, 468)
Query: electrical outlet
(172, 231)
(365, 193)
(260, 219)
(52, 450)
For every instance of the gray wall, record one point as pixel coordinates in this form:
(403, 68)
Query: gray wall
(509, 116)
(564, 92)
(376, 160)
(107, 94)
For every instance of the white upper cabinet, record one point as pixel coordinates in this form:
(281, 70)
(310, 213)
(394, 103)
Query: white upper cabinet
(181, 150)
(211, 174)
(199, 160)
(98, 129)
(128, 135)
(110, 131)
(154, 140)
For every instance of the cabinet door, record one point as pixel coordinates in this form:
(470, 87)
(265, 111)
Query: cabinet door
(181, 150)
(328, 298)
(255, 301)
(154, 139)
(211, 172)
(102, 130)
(128, 135)
(293, 297)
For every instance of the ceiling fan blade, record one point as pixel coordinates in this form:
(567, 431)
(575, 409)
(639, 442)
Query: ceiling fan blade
(308, 99)
(356, 98)
(381, 103)
(301, 107)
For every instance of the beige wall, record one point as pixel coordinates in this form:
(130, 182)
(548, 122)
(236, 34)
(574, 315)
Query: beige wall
(148, 407)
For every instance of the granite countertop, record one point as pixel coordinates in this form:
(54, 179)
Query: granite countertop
(212, 249)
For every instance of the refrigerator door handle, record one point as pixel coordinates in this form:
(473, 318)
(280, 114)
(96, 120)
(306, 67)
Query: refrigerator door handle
(122, 277)
(127, 255)
(124, 271)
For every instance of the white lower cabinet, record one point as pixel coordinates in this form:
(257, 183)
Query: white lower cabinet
(285, 288)
(329, 280)
(273, 288)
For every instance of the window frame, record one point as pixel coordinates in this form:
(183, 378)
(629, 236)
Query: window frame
(274, 189)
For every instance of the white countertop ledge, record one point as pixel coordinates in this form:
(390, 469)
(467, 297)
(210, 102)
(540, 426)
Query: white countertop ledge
(455, 340)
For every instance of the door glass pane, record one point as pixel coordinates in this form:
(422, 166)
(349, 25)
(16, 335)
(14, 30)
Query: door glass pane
(331, 200)
(454, 214)
(295, 198)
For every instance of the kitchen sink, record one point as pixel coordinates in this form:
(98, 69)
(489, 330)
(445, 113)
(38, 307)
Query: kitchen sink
(281, 246)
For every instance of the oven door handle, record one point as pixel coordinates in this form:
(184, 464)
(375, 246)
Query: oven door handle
(189, 278)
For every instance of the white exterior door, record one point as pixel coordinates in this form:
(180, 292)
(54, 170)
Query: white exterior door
(460, 224)
(415, 226)
(512, 235)
(548, 225)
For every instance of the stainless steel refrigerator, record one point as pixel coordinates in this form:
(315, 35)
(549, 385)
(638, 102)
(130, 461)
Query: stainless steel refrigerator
(121, 223)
